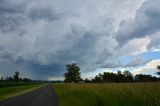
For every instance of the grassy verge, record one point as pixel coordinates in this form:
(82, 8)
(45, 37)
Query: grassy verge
(8, 92)
(136, 94)
(13, 84)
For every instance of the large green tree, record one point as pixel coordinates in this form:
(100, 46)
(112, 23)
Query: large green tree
(16, 76)
(158, 67)
(73, 73)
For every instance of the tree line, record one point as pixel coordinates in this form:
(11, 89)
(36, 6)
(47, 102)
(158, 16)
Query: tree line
(73, 75)
(15, 78)
(121, 77)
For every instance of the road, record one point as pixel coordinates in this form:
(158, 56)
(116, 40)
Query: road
(44, 96)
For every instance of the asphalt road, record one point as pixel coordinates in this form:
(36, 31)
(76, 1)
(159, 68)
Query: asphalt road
(44, 96)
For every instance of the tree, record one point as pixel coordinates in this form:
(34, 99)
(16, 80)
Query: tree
(87, 80)
(158, 67)
(121, 77)
(145, 78)
(26, 80)
(1, 78)
(73, 73)
(97, 79)
(16, 76)
(128, 76)
(110, 77)
(10, 79)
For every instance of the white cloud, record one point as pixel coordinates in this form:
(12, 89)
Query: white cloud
(135, 46)
(135, 61)
(148, 68)
(55, 78)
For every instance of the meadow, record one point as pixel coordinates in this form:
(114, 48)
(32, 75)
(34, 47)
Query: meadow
(8, 91)
(112, 94)
(12, 84)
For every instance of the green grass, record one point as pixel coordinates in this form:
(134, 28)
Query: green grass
(116, 94)
(12, 84)
(8, 92)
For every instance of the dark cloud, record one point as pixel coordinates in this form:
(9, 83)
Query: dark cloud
(37, 13)
(4, 10)
(43, 36)
(11, 22)
(114, 64)
(155, 38)
(55, 69)
(144, 24)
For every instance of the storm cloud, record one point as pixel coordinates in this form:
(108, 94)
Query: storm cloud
(145, 23)
(42, 36)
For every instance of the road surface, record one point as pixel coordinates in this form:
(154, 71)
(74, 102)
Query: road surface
(44, 96)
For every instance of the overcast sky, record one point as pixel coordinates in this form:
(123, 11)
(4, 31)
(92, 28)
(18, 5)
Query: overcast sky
(39, 37)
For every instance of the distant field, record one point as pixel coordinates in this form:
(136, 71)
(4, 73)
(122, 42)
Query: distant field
(116, 94)
(7, 92)
(12, 84)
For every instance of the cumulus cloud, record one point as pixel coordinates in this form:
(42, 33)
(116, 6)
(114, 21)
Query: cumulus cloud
(44, 35)
(145, 23)
(135, 46)
(148, 68)
(136, 61)
(155, 38)
(112, 64)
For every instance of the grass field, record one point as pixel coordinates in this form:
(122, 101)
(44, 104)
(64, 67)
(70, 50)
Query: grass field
(116, 94)
(7, 92)
(12, 84)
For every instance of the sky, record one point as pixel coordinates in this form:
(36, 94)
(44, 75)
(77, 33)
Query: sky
(39, 37)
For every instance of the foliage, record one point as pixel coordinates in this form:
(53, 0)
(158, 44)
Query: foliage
(87, 80)
(73, 73)
(109, 77)
(158, 67)
(145, 78)
(15, 78)
(122, 77)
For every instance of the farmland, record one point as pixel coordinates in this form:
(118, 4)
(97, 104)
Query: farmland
(112, 94)
(11, 89)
